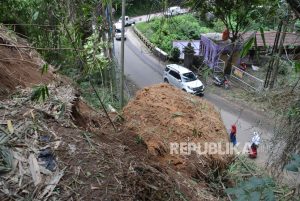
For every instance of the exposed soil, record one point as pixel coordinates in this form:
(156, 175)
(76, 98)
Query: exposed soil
(19, 67)
(162, 114)
(99, 163)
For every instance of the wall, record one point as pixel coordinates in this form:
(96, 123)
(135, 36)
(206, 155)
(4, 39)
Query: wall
(155, 50)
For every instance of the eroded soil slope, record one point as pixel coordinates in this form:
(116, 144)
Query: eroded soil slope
(19, 67)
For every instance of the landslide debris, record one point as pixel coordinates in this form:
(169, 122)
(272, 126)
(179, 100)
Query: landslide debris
(62, 149)
(162, 114)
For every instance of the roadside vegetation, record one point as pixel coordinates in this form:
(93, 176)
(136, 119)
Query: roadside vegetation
(163, 31)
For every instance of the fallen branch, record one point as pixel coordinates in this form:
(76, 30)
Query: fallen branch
(103, 106)
(287, 195)
(88, 139)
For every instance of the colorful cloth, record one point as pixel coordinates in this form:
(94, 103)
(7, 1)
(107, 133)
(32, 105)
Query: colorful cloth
(233, 138)
(253, 151)
(233, 135)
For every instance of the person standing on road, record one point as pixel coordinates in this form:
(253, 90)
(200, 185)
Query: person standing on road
(254, 145)
(233, 135)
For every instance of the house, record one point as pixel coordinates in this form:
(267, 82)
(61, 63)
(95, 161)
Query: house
(215, 50)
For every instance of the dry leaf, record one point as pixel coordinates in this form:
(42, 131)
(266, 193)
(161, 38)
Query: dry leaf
(10, 127)
(34, 169)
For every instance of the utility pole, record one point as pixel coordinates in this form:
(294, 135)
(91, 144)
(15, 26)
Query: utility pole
(122, 53)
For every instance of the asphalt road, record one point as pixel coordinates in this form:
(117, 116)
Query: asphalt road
(144, 69)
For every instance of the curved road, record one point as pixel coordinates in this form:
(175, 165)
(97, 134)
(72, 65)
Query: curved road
(142, 68)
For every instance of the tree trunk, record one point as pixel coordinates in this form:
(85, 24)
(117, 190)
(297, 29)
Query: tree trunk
(228, 67)
(281, 46)
(274, 50)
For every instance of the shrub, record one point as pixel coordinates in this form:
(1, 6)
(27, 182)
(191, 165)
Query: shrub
(175, 54)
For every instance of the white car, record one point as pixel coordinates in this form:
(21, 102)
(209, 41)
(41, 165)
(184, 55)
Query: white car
(172, 11)
(118, 31)
(183, 78)
(128, 21)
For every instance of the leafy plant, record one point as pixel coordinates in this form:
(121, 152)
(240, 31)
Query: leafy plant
(247, 47)
(294, 164)
(139, 139)
(40, 93)
(297, 66)
(175, 54)
(254, 189)
(44, 69)
(95, 58)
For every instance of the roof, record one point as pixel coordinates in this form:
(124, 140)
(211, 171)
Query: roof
(213, 36)
(290, 38)
(179, 68)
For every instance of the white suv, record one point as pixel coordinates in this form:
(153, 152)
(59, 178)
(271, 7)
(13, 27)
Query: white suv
(183, 78)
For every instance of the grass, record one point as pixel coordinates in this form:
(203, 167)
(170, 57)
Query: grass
(106, 96)
(87, 92)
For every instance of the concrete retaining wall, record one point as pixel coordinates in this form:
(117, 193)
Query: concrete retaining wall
(155, 50)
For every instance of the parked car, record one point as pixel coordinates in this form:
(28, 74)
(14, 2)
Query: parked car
(118, 31)
(128, 21)
(175, 10)
(183, 78)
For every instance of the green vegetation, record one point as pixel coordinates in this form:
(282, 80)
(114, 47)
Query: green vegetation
(40, 93)
(294, 164)
(175, 54)
(89, 95)
(63, 32)
(163, 31)
(251, 182)
(254, 189)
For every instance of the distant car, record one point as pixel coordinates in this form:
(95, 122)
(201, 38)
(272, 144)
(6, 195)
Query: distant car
(118, 31)
(183, 78)
(175, 10)
(128, 21)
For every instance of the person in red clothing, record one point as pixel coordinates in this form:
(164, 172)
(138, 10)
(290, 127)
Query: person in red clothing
(255, 141)
(233, 135)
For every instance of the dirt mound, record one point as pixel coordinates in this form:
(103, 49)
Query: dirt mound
(162, 114)
(19, 66)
